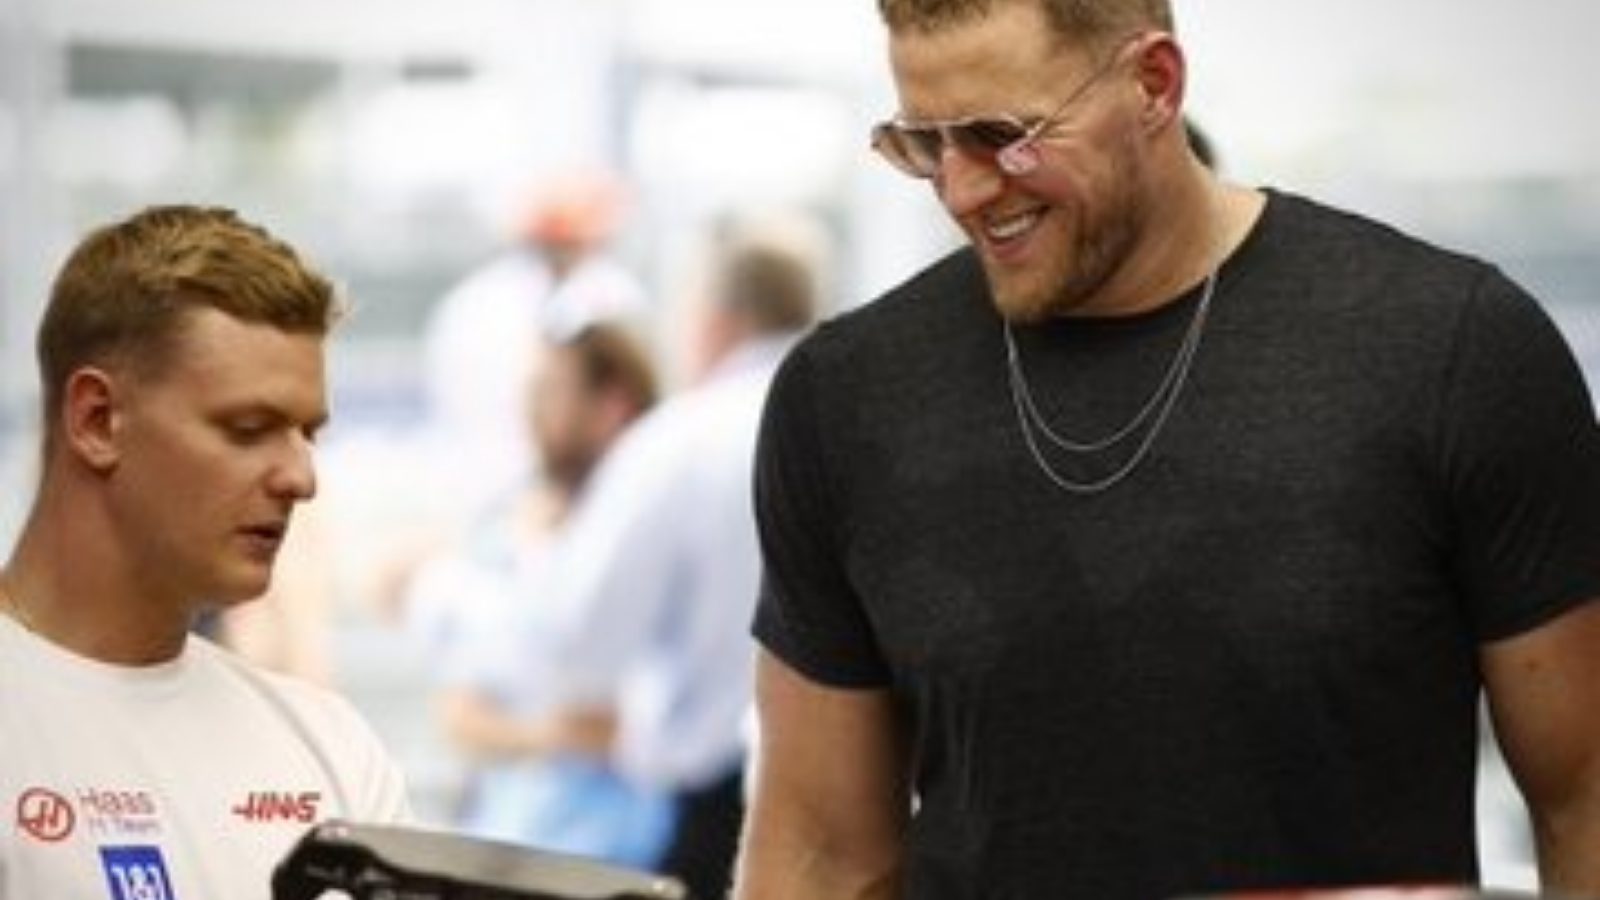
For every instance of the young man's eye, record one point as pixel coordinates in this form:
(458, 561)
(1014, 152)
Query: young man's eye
(245, 432)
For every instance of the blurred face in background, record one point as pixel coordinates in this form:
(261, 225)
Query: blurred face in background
(570, 417)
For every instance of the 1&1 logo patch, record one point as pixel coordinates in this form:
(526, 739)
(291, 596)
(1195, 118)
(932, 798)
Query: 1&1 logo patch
(136, 873)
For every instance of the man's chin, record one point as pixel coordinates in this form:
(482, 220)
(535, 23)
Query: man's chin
(1014, 298)
(1019, 309)
(242, 587)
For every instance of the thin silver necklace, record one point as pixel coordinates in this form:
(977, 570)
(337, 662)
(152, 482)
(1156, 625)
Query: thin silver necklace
(1155, 410)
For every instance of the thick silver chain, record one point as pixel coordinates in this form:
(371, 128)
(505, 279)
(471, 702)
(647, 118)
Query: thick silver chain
(1155, 410)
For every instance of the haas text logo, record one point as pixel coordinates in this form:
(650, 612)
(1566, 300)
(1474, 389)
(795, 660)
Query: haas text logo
(279, 806)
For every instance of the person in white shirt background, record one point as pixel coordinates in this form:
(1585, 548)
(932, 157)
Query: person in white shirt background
(660, 564)
(479, 346)
(478, 343)
(481, 610)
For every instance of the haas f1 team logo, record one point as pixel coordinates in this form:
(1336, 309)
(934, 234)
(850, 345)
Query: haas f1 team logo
(279, 806)
(45, 815)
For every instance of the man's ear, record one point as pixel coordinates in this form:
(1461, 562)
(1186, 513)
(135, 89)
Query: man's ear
(92, 418)
(1162, 74)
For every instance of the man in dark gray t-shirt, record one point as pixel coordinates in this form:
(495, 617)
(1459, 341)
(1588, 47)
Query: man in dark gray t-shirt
(1164, 540)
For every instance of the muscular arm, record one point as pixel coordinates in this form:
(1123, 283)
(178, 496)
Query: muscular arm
(830, 803)
(1544, 695)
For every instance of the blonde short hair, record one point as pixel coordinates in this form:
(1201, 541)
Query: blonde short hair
(123, 293)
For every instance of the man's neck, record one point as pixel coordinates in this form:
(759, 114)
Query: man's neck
(1200, 222)
(81, 606)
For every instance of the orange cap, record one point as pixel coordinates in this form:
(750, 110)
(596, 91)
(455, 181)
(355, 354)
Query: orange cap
(583, 207)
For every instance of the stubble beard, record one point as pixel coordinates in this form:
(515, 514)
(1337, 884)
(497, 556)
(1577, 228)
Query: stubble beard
(1071, 284)
(1067, 284)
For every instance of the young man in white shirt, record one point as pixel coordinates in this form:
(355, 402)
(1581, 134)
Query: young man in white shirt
(183, 385)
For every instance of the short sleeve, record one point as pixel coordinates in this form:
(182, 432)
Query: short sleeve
(808, 613)
(378, 791)
(1522, 463)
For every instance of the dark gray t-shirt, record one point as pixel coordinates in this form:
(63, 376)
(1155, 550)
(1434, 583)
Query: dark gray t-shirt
(1251, 664)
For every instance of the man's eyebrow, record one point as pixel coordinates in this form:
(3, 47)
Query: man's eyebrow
(275, 413)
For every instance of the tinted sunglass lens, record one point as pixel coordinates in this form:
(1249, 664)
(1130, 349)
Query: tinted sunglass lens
(891, 145)
(918, 150)
(923, 147)
(988, 135)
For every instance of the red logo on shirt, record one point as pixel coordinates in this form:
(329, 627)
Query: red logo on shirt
(45, 815)
(278, 806)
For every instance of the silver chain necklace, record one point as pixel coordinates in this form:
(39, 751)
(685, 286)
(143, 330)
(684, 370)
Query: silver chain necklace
(1156, 408)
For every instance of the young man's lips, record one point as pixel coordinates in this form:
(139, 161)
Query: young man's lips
(266, 536)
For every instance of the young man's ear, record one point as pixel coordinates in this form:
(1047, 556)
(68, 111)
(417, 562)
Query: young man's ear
(91, 417)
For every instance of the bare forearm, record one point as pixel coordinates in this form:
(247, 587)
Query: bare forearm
(1568, 845)
(774, 870)
(804, 885)
(794, 849)
(481, 730)
(1543, 688)
(821, 828)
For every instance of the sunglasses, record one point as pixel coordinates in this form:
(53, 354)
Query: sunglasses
(1004, 140)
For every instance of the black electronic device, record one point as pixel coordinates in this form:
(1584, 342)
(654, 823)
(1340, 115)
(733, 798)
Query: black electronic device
(391, 862)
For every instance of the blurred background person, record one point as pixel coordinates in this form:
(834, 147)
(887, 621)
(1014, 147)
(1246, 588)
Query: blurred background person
(659, 566)
(538, 774)
(477, 347)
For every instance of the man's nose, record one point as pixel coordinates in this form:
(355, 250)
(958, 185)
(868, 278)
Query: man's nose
(966, 182)
(295, 474)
